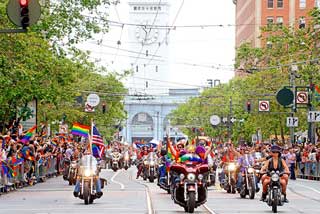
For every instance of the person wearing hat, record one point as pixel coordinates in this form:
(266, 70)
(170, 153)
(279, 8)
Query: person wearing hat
(275, 163)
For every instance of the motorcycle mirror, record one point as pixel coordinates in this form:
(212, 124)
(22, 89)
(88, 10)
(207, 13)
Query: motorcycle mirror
(163, 152)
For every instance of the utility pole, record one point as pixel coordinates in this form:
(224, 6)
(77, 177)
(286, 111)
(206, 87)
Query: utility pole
(293, 75)
(229, 119)
(311, 131)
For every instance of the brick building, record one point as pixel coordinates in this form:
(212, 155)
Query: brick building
(252, 14)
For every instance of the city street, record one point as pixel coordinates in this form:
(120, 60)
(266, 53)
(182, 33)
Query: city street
(125, 194)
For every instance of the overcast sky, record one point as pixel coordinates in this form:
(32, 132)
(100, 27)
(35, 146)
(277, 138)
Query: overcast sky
(203, 46)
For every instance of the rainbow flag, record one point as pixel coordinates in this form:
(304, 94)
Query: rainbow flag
(80, 130)
(54, 143)
(169, 154)
(25, 139)
(189, 157)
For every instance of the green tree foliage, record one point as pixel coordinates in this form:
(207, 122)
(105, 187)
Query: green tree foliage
(268, 69)
(32, 68)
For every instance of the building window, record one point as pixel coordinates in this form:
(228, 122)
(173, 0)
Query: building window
(302, 22)
(155, 8)
(280, 4)
(270, 3)
(280, 20)
(159, 8)
(134, 8)
(302, 4)
(269, 21)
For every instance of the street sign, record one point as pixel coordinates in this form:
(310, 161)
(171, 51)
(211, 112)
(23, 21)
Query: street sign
(93, 100)
(292, 122)
(215, 120)
(224, 119)
(232, 120)
(254, 138)
(314, 116)
(13, 12)
(285, 97)
(264, 105)
(302, 97)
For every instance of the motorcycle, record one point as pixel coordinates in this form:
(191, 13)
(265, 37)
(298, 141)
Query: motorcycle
(249, 183)
(66, 164)
(126, 160)
(229, 183)
(88, 175)
(150, 167)
(72, 174)
(115, 161)
(189, 189)
(274, 197)
(211, 177)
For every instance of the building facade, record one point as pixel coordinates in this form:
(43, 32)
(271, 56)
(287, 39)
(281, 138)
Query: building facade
(251, 15)
(150, 69)
(148, 115)
(150, 98)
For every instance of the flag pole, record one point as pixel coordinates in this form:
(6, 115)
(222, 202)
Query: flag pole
(90, 141)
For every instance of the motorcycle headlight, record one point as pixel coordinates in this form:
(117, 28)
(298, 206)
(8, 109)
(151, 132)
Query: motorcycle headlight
(151, 163)
(200, 177)
(87, 172)
(275, 177)
(250, 170)
(231, 167)
(191, 177)
(182, 176)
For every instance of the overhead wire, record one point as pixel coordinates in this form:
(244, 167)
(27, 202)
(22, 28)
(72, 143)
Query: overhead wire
(168, 32)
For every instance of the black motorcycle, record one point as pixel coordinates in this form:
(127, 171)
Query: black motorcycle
(249, 183)
(274, 196)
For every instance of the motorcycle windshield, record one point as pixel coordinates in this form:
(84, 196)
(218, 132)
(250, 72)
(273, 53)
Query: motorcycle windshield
(89, 162)
(150, 156)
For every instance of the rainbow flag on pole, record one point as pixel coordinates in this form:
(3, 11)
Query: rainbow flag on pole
(80, 130)
(28, 135)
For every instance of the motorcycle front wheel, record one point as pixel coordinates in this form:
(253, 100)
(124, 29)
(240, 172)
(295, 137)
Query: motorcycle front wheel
(86, 193)
(191, 203)
(252, 189)
(274, 201)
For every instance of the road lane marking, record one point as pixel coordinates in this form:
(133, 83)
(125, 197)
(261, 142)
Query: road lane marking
(208, 209)
(117, 182)
(150, 210)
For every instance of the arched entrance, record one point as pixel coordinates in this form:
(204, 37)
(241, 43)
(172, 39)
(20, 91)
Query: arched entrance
(142, 127)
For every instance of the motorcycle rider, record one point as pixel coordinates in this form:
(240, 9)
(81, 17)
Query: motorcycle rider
(275, 163)
(76, 191)
(227, 157)
(144, 152)
(245, 160)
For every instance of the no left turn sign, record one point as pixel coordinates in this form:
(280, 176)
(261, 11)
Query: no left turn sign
(302, 97)
(264, 105)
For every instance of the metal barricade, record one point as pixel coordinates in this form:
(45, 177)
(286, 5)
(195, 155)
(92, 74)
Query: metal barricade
(309, 170)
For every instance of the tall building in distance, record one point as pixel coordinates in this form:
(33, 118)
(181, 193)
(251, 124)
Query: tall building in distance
(150, 42)
(251, 15)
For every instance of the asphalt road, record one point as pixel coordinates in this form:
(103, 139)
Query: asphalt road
(125, 194)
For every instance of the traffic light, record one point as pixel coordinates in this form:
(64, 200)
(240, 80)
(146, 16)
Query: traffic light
(248, 106)
(24, 13)
(104, 108)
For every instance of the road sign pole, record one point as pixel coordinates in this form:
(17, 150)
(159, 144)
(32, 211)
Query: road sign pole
(293, 74)
(311, 131)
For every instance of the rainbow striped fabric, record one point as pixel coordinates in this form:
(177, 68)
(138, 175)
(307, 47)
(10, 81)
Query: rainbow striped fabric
(28, 135)
(80, 130)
